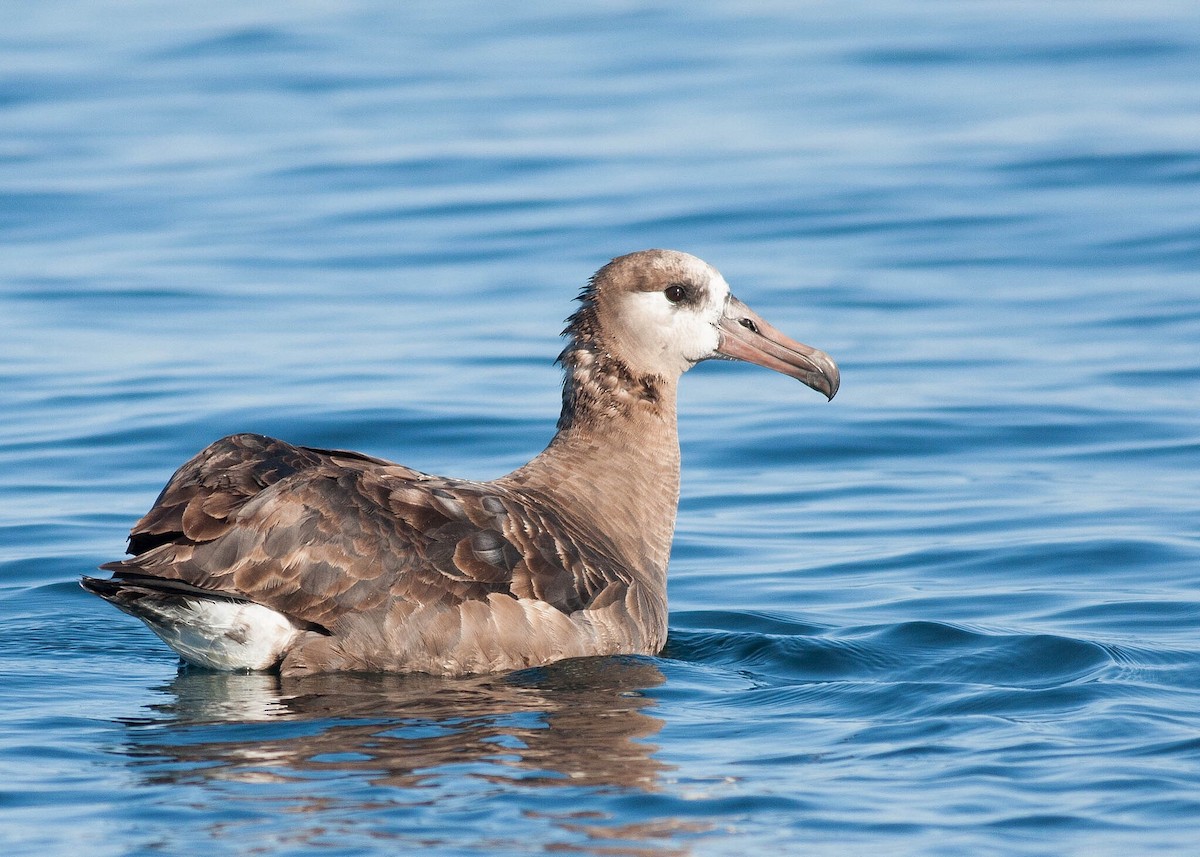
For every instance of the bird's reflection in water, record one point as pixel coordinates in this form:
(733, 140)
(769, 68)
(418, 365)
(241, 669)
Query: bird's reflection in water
(582, 722)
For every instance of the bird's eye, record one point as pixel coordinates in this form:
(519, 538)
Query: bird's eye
(675, 293)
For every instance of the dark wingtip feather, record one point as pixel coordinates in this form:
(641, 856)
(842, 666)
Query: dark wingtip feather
(104, 587)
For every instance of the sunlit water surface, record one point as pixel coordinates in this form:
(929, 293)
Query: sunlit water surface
(953, 612)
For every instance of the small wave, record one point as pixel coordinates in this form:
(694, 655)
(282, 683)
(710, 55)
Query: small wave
(918, 667)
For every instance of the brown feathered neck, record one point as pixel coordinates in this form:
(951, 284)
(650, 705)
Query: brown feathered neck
(598, 386)
(614, 463)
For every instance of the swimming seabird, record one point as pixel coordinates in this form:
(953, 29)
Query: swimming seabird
(262, 555)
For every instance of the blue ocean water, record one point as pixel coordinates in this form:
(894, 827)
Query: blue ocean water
(955, 611)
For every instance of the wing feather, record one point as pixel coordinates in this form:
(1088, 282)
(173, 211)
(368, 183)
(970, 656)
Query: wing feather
(332, 539)
(203, 494)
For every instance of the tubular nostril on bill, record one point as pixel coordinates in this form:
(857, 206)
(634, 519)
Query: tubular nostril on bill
(748, 324)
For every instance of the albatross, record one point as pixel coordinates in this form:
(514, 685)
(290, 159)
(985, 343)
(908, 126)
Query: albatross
(262, 555)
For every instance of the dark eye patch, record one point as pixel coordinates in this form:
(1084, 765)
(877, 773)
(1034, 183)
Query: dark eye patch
(675, 293)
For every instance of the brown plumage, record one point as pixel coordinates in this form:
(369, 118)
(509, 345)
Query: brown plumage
(259, 554)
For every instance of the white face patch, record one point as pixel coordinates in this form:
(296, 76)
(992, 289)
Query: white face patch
(658, 337)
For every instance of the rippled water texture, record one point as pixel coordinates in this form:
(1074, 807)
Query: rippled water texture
(953, 612)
